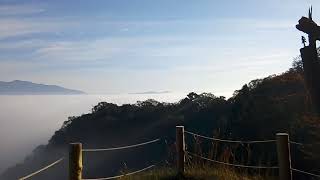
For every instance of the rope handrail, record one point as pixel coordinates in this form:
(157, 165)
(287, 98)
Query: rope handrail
(235, 165)
(296, 143)
(300, 144)
(123, 147)
(42, 169)
(229, 141)
(119, 176)
(304, 172)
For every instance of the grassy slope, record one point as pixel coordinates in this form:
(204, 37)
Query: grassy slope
(197, 173)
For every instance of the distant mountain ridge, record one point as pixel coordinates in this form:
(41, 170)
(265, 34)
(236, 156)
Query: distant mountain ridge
(18, 87)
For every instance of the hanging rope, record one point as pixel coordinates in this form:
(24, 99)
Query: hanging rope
(123, 147)
(304, 172)
(39, 171)
(230, 164)
(229, 141)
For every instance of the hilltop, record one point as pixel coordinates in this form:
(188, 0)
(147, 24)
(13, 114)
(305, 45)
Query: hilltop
(258, 110)
(18, 87)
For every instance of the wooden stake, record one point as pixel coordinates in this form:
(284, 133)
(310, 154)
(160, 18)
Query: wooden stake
(284, 158)
(75, 161)
(180, 145)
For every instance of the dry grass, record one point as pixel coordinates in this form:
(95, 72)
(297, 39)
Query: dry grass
(196, 173)
(156, 174)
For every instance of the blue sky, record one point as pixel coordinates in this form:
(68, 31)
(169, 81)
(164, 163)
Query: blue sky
(123, 46)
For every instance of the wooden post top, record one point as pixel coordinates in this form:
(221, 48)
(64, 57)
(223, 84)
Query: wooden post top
(282, 134)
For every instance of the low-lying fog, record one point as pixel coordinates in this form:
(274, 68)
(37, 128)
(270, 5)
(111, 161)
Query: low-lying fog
(28, 121)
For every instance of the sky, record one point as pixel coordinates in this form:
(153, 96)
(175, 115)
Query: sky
(127, 46)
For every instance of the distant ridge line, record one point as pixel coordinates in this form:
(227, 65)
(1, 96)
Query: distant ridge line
(18, 87)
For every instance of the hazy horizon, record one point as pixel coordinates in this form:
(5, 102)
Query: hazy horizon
(226, 94)
(135, 46)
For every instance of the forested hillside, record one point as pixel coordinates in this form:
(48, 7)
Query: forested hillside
(257, 111)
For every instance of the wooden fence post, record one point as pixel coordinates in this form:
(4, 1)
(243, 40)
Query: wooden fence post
(75, 161)
(284, 159)
(180, 145)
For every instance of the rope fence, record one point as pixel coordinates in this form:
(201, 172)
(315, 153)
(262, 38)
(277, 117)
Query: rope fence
(282, 142)
(79, 160)
(304, 172)
(300, 144)
(296, 143)
(229, 141)
(43, 169)
(283, 152)
(128, 174)
(230, 164)
(123, 147)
